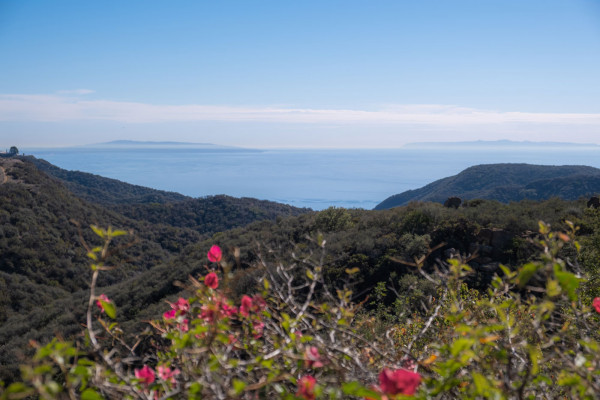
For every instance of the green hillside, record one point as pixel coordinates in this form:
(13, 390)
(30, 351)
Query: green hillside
(43, 265)
(212, 213)
(105, 191)
(44, 274)
(506, 183)
(205, 215)
(40, 239)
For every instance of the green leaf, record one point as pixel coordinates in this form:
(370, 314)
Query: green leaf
(569, 283)
(526, 273)
(481, 383)
(109, 309)
(352, 271)
(544, 229)
(98, 231)
(238, 386)
(19, 391)
(535, 354)
(356, 389)
(90, 394)
(310, 275)
(592, 345)
(461, 345)
(568, 379)
(552, 288)
(506, 271)
(194, 391)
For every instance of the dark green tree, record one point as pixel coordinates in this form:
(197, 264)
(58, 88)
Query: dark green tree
(13, 151)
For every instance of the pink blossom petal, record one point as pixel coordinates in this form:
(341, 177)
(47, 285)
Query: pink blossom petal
(215, 254)
(400, 381)
(145, 375)
(182, 305)
(306, 387)
(211, 280)
(170, 314)
(246, 305)
(596, 304)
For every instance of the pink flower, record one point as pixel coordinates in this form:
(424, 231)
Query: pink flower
(215, 254)
(252, 304)
(312, 357)
(182, 305)
(104, 299)
(306, 387)
(166, 374)
(596, 304)
(258, 328)
(246, 306)
(232, 339)
(209, 313)
(183, 326)
(170, 314)
(228, 310)
(259, 304)
(211, 280)
(145, 375)
(400, 381)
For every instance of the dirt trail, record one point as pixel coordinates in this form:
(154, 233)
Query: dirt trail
(3, 177)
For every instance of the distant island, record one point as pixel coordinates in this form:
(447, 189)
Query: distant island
(136, 144)
(498, 143)
(151, 143)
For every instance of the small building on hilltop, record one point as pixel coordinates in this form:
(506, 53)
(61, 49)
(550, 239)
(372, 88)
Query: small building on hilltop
(10, 153)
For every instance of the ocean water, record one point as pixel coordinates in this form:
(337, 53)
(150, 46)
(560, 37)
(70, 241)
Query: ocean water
(305, 178)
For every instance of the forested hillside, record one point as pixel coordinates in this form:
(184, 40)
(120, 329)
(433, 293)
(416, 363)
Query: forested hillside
(45, 274)
(42, 225)
(105, 191)
(506, 183)
(40, 229)
(205, 215)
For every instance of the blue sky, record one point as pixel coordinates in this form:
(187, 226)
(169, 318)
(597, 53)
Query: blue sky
(299, 74)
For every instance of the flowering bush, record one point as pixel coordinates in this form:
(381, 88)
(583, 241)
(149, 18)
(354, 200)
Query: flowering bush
(530, 335)
(400, 381)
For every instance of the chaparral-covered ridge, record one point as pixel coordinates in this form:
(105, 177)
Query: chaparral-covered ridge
(468, 300)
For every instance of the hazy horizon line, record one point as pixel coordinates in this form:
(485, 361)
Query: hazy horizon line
(177, 144)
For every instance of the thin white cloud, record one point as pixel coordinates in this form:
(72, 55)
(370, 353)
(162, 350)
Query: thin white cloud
(76, 91)
(56, 108)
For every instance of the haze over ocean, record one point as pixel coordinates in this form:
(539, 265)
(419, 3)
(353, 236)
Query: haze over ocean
(304, 178)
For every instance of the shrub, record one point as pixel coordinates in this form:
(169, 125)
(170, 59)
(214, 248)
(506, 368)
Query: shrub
(530, 335)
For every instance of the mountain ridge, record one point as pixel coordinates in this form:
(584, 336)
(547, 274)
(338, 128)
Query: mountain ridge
(505, 183)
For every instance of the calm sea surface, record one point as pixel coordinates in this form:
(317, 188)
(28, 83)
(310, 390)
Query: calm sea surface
(304, 178)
